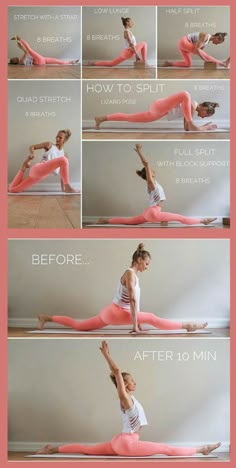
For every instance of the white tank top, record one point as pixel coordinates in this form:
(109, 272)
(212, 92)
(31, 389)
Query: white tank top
(53, 153)
(122, 295)
(133, 418)
(132, 38)
(28, 60)
(177, 113)
(194, 38)
(156, 195)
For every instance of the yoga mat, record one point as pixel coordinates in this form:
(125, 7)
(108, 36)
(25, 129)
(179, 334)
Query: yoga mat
(149, 130)
(151, 225)
(54, 331)
(116, 67)
(197, 67)
(65, 455)
(43, 193)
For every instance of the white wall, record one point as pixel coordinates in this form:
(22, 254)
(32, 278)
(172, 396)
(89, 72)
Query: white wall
(60, 391)
(103, 37)
(107, 97)
(31, 120)
(187, 279)
(195, 184)
(175, 22)
(50, 31)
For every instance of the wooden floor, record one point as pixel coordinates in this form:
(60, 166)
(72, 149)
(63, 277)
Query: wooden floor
(57, 72)
(186, 73)
(22, 333)
(19, 456)
(85, 225)
(119, 73)
(44, 211)
(97, 135)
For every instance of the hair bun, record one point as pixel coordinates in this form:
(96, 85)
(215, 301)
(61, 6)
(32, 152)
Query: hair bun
(140, 247)
(215, 104)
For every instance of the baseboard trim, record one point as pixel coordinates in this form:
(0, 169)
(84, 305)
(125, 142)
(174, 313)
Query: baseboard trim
(15, 322)
(51, 187)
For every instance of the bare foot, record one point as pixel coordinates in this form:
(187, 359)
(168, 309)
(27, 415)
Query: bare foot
(27, 162)
(207, 221)
(206, 449)
(98, 121)
(102, 221)
(226, 63)
(69, 189)
(73, 62)
(42, 320)
(190, 327)
(166, 64)
(48, 449)
(14, 38)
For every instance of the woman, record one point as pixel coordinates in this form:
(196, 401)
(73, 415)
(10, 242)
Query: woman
(31, 57)
(193, 43)
(54, 160)
(153, 214)
(173, 107)
(131, 48)
(127, 443)
(124, 309)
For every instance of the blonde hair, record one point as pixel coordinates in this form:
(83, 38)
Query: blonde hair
(140, 252)
(113, 379)
(66, 132)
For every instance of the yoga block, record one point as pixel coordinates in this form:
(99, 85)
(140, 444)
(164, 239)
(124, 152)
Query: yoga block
(226, 221)
(139, 65)
(209, 65)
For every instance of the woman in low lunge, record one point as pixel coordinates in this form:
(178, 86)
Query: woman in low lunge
(194, 43)
(179, 105)
(156, 194)
(131, 48)
(31, 57)
(54, 160)
(124, 309)
(127, 443)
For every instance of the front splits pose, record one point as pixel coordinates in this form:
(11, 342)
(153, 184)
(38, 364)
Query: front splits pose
(127, 443)
(31, 57)
(131, 48)
(54, 160)
(193, 43)
(124, 309)
(153, 214)
(174, 107)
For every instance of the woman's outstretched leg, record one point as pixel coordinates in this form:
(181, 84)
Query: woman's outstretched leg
(37, 58)
(92, 323)
(124, 55)
(135, 220)
(55, 61)
(19, 183)
(104, 448)
(166, 324)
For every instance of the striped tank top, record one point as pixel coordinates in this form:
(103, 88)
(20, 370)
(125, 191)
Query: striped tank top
(133, 418)
(156, 195)
(121, 297)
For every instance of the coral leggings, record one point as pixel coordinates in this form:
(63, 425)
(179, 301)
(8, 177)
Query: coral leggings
(155, 215)
(115, 315)
(39, 59)
(159, 109)
(125, 55)
(38, 172)
(129, 445)
(186, 48)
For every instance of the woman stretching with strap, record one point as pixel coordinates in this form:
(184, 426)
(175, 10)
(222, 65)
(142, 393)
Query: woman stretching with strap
(153, 214)
(179, 105)
(124, 309)
(127, 443)
(194, 43)
(31, 57)
(131, 48)
(54, 161)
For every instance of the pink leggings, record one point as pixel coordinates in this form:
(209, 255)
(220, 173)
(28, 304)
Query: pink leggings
(40, 60)
(125, 55)
(186, 48)
(38, 172)
(158, 109)
(127, 445)
(115, 315)
(154, 215)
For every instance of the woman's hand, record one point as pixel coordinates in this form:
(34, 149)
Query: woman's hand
(137, 148)
(104, 348)
(136, 330)
(31, 150)
(208, 126)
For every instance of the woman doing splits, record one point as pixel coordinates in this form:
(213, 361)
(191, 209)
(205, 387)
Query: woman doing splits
(54, 160)
(31, 57)
(179, 105)
(193, 43)
(127, 443)
(153, 214)
(124, 309)
(131, 48)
